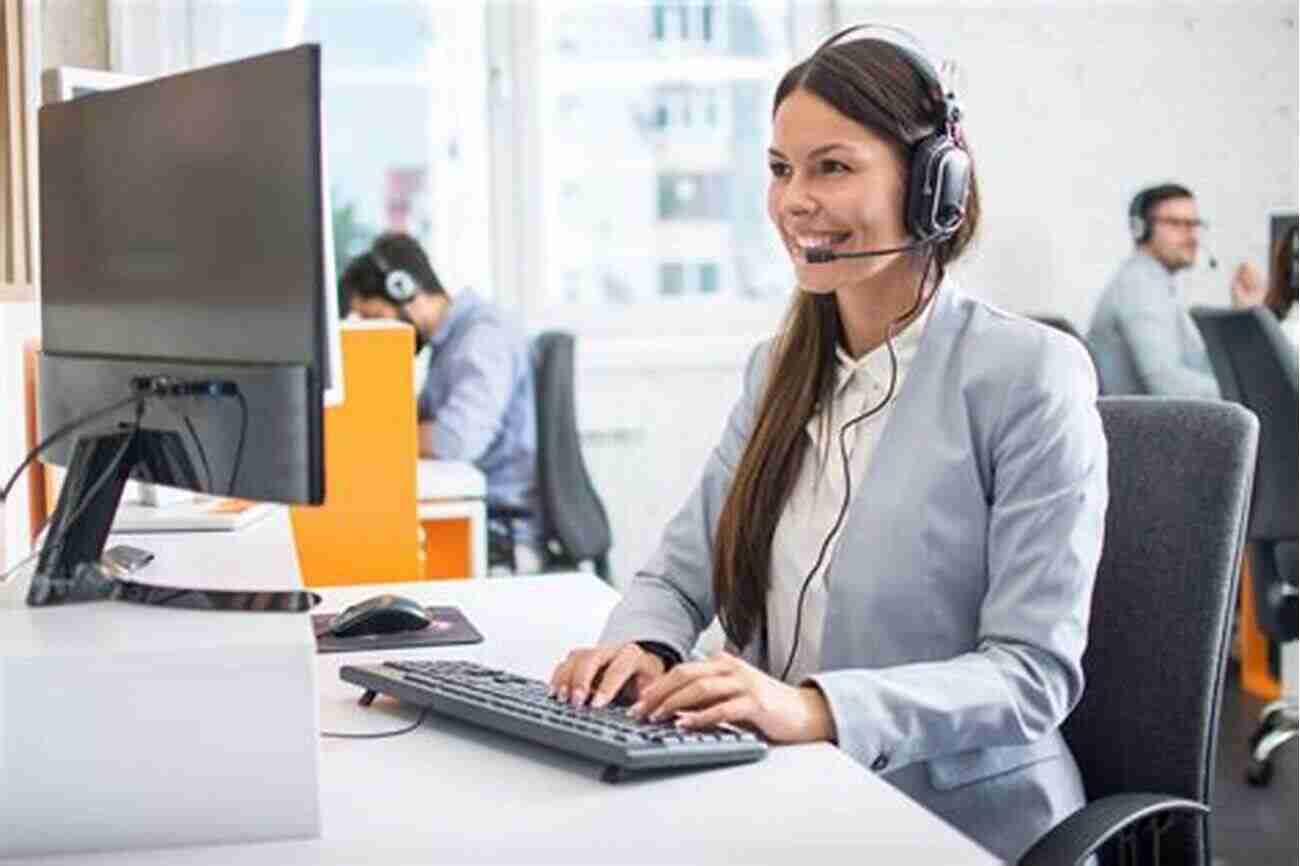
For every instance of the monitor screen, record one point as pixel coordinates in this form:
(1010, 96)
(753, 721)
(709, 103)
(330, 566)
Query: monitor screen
(181, 217)
(183, 236)
(70, 82)
(1280, 225)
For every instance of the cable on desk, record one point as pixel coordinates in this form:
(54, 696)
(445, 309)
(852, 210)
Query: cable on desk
(424, 714)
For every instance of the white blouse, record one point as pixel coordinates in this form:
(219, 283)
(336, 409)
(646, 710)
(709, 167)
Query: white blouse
(818, 496)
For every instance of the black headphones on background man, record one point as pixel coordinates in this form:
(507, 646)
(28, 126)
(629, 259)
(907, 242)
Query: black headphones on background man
(399, 285)
(1138, 226)
(939, 178)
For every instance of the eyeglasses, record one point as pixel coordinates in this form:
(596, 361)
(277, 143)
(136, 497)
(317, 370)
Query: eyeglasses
(1184, 224)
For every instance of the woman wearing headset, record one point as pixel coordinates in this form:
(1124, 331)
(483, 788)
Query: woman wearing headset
(901, 524)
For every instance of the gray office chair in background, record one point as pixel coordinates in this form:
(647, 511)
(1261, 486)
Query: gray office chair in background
(1144, 732)
(1255, 365)
(1059, 323)
(574, 525)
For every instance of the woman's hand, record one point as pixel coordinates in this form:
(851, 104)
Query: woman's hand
(602, 671)
(1248, 286)
(725, 689)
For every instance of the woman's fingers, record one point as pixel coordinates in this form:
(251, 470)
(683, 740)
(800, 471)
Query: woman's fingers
(741, 709)
(676, 679)
(703, 692)
(586, 668)
(578, 669)
(625, 664)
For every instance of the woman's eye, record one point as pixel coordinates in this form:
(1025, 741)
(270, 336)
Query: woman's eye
(832, 166)
(779, 169)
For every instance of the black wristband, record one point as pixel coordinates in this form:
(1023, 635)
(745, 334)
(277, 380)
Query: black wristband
(661, 651)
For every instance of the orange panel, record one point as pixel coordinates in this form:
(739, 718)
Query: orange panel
(40, 502)
(447, 549)
(1255, 675)
(367, 530)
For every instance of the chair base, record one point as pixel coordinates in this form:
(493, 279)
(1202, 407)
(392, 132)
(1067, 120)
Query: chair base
(1277, 725)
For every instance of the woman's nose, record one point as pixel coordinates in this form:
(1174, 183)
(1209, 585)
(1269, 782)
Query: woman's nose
(796, 200)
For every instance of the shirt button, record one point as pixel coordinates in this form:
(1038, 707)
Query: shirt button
(880, 763)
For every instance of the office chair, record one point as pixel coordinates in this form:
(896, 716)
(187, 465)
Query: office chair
(1255, 365)
(1144, 732)
(574, 525)
(1063, 324)
(1059, 323)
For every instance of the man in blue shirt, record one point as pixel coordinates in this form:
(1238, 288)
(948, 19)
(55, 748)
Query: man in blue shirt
(477, 402)
(1142, 337)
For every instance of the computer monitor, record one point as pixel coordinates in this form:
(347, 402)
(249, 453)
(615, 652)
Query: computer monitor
(183, 250)
(1281, 223)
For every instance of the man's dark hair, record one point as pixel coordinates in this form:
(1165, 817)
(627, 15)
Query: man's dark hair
(364, 276)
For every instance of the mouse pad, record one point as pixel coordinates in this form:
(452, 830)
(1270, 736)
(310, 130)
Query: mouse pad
(449, 626)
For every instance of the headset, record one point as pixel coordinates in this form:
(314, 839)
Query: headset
(1138, 227)
(939, 177)
(399, 285)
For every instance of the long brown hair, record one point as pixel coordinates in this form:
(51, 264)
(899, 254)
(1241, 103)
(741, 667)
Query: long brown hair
(872, 82)
(1281, 275)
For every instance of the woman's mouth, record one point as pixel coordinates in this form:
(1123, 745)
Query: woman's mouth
(802, 242)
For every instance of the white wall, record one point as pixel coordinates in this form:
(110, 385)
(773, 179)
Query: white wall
(1071, 109)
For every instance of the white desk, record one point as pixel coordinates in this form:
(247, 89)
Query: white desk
(453, 490)
(451, 793)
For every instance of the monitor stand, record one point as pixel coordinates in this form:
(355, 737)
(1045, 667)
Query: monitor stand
(69, 568)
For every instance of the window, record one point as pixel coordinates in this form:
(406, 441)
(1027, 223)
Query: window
(672, 278)
(596, 165)
(660, 116)
(403, 87)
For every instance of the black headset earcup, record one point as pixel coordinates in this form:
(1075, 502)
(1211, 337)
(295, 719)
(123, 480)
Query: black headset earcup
(399, 285)
(938, 187)
(1137, 227)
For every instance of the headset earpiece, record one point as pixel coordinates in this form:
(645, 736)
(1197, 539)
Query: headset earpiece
(399, 285)
(938, 187)
(939, 177)
(1138, 227)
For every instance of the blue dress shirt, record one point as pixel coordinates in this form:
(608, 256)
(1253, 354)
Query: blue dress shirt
(478, 396)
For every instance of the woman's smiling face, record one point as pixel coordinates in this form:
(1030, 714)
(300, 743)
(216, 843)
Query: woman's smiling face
(835, 185)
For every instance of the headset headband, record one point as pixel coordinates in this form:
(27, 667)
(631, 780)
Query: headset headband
(915, 52)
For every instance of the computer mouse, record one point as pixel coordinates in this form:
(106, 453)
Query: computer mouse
(383, 614)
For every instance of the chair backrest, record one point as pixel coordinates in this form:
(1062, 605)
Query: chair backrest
(574, 523)
(1255, 365)
(1059, 323)
(1180, 476)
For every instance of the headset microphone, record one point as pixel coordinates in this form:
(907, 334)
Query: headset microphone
(1210, 260)
(817, 256)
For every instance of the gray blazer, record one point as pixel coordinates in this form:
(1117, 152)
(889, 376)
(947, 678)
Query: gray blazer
(960, 590)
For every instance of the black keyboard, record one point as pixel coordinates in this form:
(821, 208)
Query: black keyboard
(519, 706)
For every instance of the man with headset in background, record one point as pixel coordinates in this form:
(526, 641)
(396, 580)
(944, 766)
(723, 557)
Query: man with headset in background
(1142, 337)
(476, 403)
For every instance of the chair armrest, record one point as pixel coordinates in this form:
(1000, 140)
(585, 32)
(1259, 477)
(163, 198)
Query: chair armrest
(1075, 839)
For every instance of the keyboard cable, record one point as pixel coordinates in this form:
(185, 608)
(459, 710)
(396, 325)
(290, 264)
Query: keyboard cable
(424, 714)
